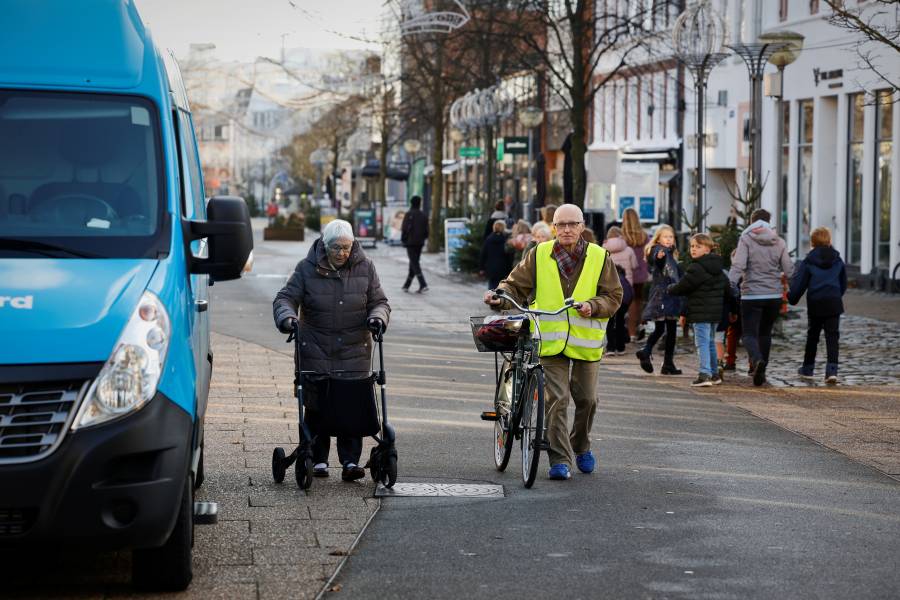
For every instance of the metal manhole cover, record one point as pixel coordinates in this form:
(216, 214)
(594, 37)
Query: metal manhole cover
(434, 490)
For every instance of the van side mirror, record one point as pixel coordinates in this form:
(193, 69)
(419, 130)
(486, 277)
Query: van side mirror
(230, 238)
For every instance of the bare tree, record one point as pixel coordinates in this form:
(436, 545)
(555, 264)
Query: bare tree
(581, 37)
(428, 88)
(878, 25)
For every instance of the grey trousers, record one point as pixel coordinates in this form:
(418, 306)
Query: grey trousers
(565, 379)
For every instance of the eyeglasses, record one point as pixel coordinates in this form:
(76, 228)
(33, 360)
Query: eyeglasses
(568, 224)
(340, 249)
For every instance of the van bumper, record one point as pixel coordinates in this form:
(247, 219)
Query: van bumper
(111, 486)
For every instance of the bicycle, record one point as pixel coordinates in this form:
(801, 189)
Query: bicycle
(519, 393)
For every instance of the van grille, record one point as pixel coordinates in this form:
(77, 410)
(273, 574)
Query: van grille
(33, 418)
(16, 521)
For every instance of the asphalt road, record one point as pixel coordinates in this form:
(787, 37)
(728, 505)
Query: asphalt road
(692, 498)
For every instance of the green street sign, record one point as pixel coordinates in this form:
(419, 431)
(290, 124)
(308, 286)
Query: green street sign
(500, 150)
(470, 152)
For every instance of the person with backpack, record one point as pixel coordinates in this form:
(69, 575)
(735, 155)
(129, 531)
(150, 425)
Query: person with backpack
(822, 276)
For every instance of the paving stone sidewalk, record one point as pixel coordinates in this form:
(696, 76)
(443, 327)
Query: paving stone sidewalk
(272, 540)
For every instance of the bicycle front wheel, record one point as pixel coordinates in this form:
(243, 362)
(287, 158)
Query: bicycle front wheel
(504, 425)
(532, 426)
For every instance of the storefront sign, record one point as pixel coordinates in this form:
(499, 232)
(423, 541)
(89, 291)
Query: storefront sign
(515, 145)
(364, 224)
(820, 75)
(637, 187)
(470, 152)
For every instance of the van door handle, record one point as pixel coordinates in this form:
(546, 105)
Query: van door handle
(202, 305)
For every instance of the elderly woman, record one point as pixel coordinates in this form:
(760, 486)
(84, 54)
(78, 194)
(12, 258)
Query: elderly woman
(336, 295)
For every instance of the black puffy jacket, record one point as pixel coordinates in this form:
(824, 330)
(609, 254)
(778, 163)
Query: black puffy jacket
(704, 284)
(333, 307)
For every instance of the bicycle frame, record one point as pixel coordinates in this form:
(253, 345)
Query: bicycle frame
(525, 357)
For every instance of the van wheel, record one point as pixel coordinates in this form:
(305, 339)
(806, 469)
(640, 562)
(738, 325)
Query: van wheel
(201, 473)
(168, 568)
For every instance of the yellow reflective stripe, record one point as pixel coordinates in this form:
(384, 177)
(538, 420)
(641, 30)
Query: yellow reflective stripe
(588, 323)
(549, 336)
(559, 317)
(584, 343)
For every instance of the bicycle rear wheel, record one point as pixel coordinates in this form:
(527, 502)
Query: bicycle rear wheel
(532, 425)
(503, 426)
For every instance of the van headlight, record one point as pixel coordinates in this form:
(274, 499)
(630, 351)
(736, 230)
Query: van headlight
(129, 378)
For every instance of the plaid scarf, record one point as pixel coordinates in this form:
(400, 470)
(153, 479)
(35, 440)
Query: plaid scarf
(568, 261)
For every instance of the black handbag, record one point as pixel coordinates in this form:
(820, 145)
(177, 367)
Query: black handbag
(341, 407)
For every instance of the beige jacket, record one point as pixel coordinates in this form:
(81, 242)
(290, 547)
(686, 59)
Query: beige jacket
(520, 285)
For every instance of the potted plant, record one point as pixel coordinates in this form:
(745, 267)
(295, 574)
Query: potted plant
(290, 229)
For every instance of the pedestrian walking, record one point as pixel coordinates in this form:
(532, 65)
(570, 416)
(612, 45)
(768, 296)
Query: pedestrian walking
(414, 232)
(621, 254)
(570, 350)
(496, 255)
(337, 298)
(822, 276)
(617, 328)
(519, 239)
(760, 260)
(636, 238)
(662, 307)
(704, 283)
(498, 214)
(547, 212)
(271, 212)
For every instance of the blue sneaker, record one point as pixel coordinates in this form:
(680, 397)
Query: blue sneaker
(586, 462)
(560, 471)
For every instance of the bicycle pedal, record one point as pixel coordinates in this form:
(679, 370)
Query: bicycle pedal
(545, 445)
(490, 415)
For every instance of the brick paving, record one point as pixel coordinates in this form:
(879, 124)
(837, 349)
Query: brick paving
(272, 540)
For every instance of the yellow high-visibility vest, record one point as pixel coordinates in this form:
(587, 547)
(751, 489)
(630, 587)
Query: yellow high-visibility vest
(569, 333)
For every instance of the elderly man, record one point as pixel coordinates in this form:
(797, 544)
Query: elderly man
(568, 267)
(336, 295)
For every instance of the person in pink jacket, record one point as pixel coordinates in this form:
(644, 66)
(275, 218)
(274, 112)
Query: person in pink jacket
(635, 236)
(623, 257)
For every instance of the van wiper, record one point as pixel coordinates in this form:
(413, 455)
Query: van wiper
(43, 248)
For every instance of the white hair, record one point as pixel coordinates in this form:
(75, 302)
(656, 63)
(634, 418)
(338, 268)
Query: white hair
(337, 230)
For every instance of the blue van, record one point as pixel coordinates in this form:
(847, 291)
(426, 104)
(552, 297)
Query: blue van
(107, 248)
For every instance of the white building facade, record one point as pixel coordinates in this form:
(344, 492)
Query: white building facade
(841, 120)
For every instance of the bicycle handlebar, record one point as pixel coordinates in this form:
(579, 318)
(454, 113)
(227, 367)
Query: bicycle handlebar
(569, 303)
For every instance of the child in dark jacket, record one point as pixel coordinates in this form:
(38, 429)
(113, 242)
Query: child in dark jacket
(617, 330)
(822, 276)
(704, 284)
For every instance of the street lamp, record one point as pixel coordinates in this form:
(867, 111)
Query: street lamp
(530, 117)
(793, 45)
(756, 56)
(318, 158)
(698, 37)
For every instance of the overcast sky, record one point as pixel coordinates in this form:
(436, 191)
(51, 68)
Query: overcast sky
(245, 29)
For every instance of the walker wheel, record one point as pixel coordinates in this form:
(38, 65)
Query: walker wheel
(279, 466)
(303, 472)
(391, 471)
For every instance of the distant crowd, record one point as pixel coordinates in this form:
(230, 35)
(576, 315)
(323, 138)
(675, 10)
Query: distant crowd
(721, 306)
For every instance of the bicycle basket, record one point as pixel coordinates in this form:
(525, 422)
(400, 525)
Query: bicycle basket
(496, 333)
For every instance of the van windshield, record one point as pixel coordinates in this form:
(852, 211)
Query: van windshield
(80, 176)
